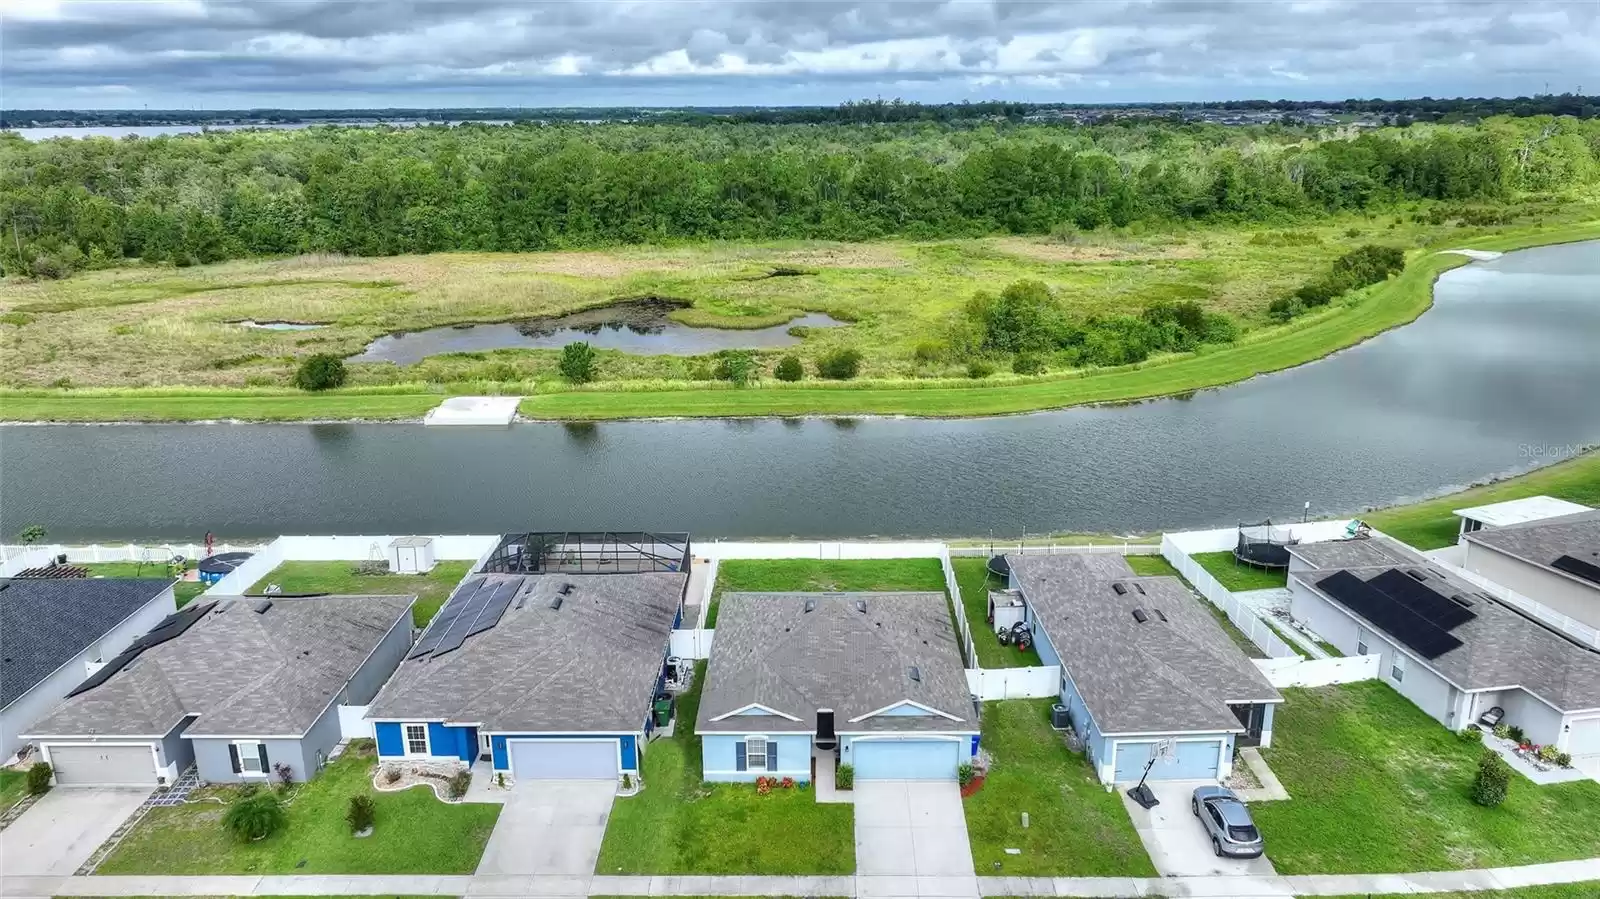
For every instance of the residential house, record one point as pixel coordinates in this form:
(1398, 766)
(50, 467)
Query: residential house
(54, 632)
(236, 687)
(871, 680)
(1453, 650)
(1554, 562)
(1151, 682)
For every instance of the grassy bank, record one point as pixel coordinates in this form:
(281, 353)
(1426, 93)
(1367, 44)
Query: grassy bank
(116, 329)
(1431, 524)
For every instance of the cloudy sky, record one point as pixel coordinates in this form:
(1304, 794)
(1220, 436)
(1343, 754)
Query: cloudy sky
(332, 53)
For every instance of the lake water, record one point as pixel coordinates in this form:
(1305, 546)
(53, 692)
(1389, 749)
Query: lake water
(633, 327)
(1502, 374)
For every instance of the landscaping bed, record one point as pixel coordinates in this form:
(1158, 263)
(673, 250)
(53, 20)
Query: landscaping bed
(431, 589)
(679, 825)
(823, 576)
(974, 580)
(415, 833)
(1076, 827)
(1380, 787)
(1237, 576)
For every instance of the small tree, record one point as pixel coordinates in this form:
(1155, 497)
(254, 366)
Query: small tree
(255, 815)
(578, 362)
(361, 814)
(32, 534)
(1493, 780)
(840, 365)
(1027, 364)
(978, 369)
(737, 366)
(789, 369)
(39, 778)
(324, 371)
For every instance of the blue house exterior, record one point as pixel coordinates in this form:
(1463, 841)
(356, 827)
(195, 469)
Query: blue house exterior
(723, 757)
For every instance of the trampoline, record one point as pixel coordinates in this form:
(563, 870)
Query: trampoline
(1000, 567)
(1263, 545)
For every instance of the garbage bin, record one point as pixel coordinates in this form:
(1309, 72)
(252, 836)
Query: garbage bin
(663, 710)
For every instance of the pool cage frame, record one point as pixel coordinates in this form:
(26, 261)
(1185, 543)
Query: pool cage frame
(589, 552)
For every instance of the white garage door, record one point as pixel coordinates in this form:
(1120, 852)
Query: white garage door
(564, 759)
(906, 759)
(1585, 737)
(103, 765)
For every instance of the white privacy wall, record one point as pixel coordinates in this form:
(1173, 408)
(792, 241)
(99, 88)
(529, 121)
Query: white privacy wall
(341, 549)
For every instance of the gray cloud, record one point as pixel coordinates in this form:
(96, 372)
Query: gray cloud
(557, 52)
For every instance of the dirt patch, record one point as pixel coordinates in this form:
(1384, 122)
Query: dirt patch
(847, 256)
(1046, 251)
(640, 313)
(593, 265)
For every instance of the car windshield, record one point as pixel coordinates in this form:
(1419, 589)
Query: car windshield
(1245, 834)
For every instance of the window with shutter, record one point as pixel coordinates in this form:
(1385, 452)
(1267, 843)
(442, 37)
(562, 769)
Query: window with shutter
(249, 758)
(738, 756)
(755, 753)
(233, 758)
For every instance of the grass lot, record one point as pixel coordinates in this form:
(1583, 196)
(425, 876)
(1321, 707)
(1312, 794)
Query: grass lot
(1585, 890)
(1152, 566)
(680, 826)
(416, 834)
(823, 576)
(974, 581)
(131, 329)
(1157, 566)
(1237, 576)
(432, 589)
(1076, 827)
(1429, 524)
(183, 591)
(1379, 786)
(13, 786)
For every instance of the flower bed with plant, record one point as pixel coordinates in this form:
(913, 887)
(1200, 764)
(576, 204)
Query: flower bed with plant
(1544, 758)
(448, 780)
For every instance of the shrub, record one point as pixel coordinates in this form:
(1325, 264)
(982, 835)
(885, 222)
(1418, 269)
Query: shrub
(361, 814)
(928, 352)
(31, 534)
(255, 815)
(788, 783)
(323, 371)
(627, 781)
(1471, 735)
(840, 365)
(737, 366)
(578, 362)
(1516, 735)
(391, 775)
(1284, 308)
(789, 369)
(370, 568)
(1027, 364)
(500, 779)
(39, 778)
(1564, 759)
(1502, 730)
(845, 777)
(965, 773)
(1492, 781)
(1548, 753)
(285, 775)
(459, 782)
(763, 786)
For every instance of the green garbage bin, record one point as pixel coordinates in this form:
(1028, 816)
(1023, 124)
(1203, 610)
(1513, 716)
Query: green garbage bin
(663, 711)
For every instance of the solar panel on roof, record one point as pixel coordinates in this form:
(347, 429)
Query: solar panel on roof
(169, 627)
(1398, 621)
(496, 607)
(1404, 589)
(1577, 568)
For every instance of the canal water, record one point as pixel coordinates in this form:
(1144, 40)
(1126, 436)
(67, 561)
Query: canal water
(1501, 375)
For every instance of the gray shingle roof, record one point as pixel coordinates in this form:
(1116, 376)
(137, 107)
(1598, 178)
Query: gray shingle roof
(770, 650)
(242, 673)
(1542, 542)
(1501, 647)
(1168, 676)
(592, 665)
(46, 622)
(1351, 553)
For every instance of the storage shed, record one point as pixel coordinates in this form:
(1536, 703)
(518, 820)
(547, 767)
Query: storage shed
(411, 555)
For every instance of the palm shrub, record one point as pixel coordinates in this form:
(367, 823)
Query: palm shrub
(1493, 780)
(362, 813)
(459, 782)
(578, 362)
(324, 371)
(845, 777)
(39, 778)
(255, 815)
(789, 369)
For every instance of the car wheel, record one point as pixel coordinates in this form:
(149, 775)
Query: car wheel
(1216, 847)
(1194, 807)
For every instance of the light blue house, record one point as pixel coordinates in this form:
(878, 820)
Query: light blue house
(535, 676)
(1149, 679)
(872, 680)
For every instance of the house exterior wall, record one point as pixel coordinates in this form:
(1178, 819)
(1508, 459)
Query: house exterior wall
(629, 747)
(444, 741)
(25, 710)
(719, 757)
(176, 752)
(1539, 722)
(1043, 645)
(214, 766)
(381, 665)
(1565, 595)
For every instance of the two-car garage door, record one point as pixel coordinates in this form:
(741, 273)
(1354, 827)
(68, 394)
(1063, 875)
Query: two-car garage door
(103, 765)
(906, 759)
(564, 759)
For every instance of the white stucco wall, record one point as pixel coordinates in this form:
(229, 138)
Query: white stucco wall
(1566, 595)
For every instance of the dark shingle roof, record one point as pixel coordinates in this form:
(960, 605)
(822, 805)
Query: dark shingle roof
(1542, 542)
(770, 650)
(1170, 676)
(243, 673)
(591, 665)
(44, 623)
(1350, 553)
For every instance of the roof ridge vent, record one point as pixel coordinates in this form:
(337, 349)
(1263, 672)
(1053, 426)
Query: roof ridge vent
(1140, 616)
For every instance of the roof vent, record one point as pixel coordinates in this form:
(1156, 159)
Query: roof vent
(1414, 573)
(1160, 614)
(861, 606)
(916, 674)
(565, 589)
(1121, 588)
(555, 604)
(261, 606)
(811, 605)
(1140, 616)
(1140, 588)
(1461, 600)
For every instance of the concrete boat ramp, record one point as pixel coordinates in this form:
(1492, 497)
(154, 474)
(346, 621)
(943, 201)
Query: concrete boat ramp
(474, 410)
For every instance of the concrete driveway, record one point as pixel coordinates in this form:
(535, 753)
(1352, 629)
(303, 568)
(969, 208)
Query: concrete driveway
(550, 827)
(1177, 841)
(65, 827)
(913, 835)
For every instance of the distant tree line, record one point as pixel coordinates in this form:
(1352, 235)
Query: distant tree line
(67, 204)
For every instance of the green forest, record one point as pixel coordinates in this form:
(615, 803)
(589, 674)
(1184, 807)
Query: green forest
(67, 205)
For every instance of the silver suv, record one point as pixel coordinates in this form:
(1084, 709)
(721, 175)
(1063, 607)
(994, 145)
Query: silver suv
(1227, 822)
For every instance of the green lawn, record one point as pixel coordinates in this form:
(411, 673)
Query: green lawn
(1076, 827)
(13, 786)
(1151, 566)
(431, 589)
(1429, 524)
(1586, 890)
(1154, 566)
(200, 404)
(1379, 786)
(823, 576)
(1237, 576)
(678, 825)
(416, 834)
(974, 581)
(183, 591)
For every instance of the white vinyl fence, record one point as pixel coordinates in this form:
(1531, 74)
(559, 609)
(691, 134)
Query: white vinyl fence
(359, 548)
(1319, 672)
(15, 557)
(691, 644)
(353, 724)
(1572, 627)
(1014, 683)
(1242, 616)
